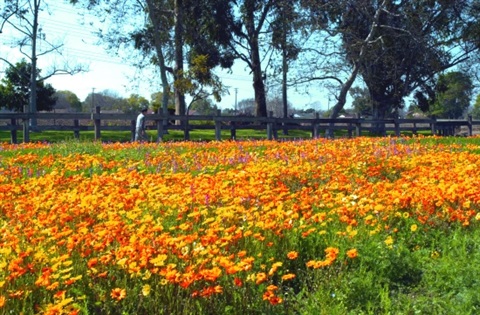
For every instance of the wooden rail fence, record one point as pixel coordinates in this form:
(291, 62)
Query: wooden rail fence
(98, 121)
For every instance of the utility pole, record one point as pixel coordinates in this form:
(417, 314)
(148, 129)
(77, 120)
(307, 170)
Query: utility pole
(236, 92)
(93, 100)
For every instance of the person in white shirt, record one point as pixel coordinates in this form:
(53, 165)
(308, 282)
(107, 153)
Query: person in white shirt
(140, 134)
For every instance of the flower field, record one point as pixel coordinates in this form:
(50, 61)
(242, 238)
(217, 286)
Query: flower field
(351, 226)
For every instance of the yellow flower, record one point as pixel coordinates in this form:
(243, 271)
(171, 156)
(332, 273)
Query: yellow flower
(389, 241)
(146, 290)
(413, 227)
(159, 260)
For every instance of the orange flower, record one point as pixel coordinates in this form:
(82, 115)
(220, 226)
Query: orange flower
(92, 262)
(2, 301)
(288, 276)
(261, 277)
(211, 290)
(272, 298)
(60, 294)
(238, 282)
(275, 300)
(332, 253)
(352, 253)
(118, 294)
(211, 274)
(292, 255)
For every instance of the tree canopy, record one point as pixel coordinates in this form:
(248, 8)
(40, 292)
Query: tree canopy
(15, 89)
(397, 49)
(453, 95)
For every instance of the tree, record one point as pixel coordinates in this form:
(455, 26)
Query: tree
(109, 100)
(68, 100)
(327, 18)
(284, 26)
(23, 17)
(287, 21)
(199, 82)
(173, 33)
(454, 93)
(204, 107)
(413, 43)
(397, 47)
(248, 36)
(476, 108)
(275, 104)
(246, 107)
(156, 101)
(362, 102)
(15, 89)
(135, 102)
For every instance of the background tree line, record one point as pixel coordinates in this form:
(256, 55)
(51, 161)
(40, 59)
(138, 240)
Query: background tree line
(390, 56)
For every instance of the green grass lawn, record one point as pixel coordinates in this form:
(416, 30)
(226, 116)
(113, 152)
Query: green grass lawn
(173, 135)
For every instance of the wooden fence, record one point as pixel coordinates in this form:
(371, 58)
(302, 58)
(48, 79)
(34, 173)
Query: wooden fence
(78, 122)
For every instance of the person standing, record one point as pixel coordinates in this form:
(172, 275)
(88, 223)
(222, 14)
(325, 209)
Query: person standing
(140, 133)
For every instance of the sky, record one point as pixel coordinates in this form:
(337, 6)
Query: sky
(62, 24)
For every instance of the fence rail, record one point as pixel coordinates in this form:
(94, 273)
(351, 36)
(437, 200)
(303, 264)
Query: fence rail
(98, 121)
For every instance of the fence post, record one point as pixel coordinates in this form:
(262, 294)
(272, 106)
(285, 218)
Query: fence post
(397, 126)
(186, 131)
(233, 130)
(270, 126)
(433, 125)
(97, 124)
(76, 129)
(13, 132)
(218, 126)
(470, 125)
(358, 126)
(159, 124)
(350, 130)
(26, 121)
(316, 126)
(133, 126)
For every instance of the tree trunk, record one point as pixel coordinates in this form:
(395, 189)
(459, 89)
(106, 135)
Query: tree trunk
(33, 74)
(153, 14)
(259, 86)
(178, 68)
(284, 82)
(342, 98)
(378, 112)
(255, 61)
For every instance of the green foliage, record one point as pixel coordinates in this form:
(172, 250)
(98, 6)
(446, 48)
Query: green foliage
(68, 100)
(476, 108)
(135, 102)
(156, 101)
(15, 89)
(200, 82)
(204, 107)
(362, 102)
(454, 92)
